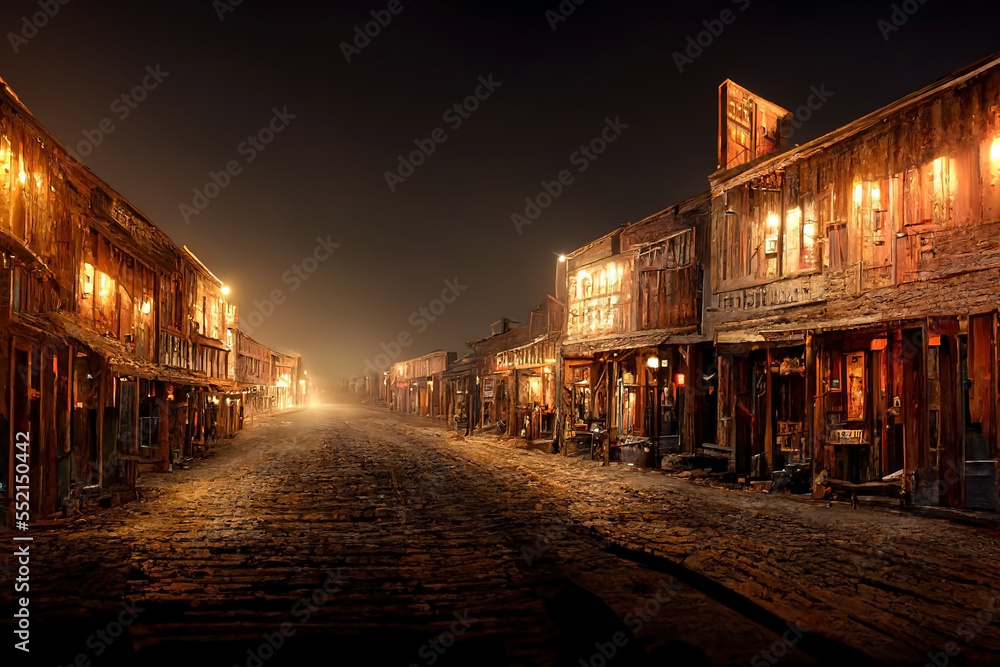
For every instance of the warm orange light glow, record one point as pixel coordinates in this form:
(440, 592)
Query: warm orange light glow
(104, 284)
(939, 170)
(879, 344)
(562, 258)
(653, 362)
(22, 177)
(679, 379)
(793, 217)
(995, 149)
(876, 194)
(857, 193)
(88, 280)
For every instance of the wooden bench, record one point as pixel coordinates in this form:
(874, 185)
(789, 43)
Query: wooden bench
(892, 489)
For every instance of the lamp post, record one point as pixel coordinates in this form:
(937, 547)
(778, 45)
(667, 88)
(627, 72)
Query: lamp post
(557, 379)
(561, 262)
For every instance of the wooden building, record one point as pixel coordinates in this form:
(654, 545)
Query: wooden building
(528, 373)
(496, 387)
(633, 333)
(461, 394)
(418, 384)
(289, 386)
(115, 343)
(255, 374)
(853, 294)
(599, 316)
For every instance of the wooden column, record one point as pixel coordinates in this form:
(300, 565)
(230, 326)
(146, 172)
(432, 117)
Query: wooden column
(101, 393)
(808, 423)
(769, 443)
(658, 399)
(611, 380)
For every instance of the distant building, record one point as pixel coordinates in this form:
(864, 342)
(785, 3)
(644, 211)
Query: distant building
(418, 384)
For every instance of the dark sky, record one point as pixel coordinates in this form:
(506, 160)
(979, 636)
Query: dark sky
(323, 175)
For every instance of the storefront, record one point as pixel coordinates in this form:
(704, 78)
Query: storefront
(763, 403)
(525, 377)
(914, 403)
(459, 395)
(638, 390)
(909, 405)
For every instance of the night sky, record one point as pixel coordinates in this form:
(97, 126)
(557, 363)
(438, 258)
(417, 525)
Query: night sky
(324, 174)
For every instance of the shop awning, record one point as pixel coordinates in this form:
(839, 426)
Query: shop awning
(583, 348)
(460, 368)
(19, 249)
(198, 339)
(748, 336)
(119, 358)
(796, 332)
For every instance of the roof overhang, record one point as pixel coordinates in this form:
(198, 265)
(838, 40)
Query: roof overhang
(653, 338)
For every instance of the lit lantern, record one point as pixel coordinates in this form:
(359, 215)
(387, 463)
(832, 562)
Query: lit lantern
(653, 362)
(679, 380)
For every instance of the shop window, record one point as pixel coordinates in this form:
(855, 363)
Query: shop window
(668, 283)
(940, 181)
(871, 203)
(990, 169)
(16, 289)
(750, 231)
(799, 240)
(126, 327)
(939, 192)
(836, 242)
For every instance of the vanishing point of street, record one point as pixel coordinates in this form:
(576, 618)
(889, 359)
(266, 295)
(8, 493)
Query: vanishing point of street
(348, 530)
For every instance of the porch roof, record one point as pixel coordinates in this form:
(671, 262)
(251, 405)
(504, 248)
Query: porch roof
(119, 359)
(652, 338)
(797, 331)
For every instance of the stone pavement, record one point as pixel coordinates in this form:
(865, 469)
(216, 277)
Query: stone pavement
(353, 532)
